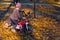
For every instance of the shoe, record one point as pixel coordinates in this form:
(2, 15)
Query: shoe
(6, 25)
(13, 30)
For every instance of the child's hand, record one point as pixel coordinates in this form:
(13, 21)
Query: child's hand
(17, 27)
(22, 10)
(18, 20)
(13, 30)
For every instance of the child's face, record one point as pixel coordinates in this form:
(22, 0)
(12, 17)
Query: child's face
(18, 8)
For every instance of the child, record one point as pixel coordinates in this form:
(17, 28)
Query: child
(14, 17)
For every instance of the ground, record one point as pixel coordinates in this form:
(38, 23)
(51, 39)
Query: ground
(44, 28)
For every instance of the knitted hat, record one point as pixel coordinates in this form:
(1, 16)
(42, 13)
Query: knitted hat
(18, 5)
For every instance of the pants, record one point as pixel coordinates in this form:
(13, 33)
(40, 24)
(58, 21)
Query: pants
(13, 23)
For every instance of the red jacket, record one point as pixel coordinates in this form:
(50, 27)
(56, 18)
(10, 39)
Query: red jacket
(22, 22)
